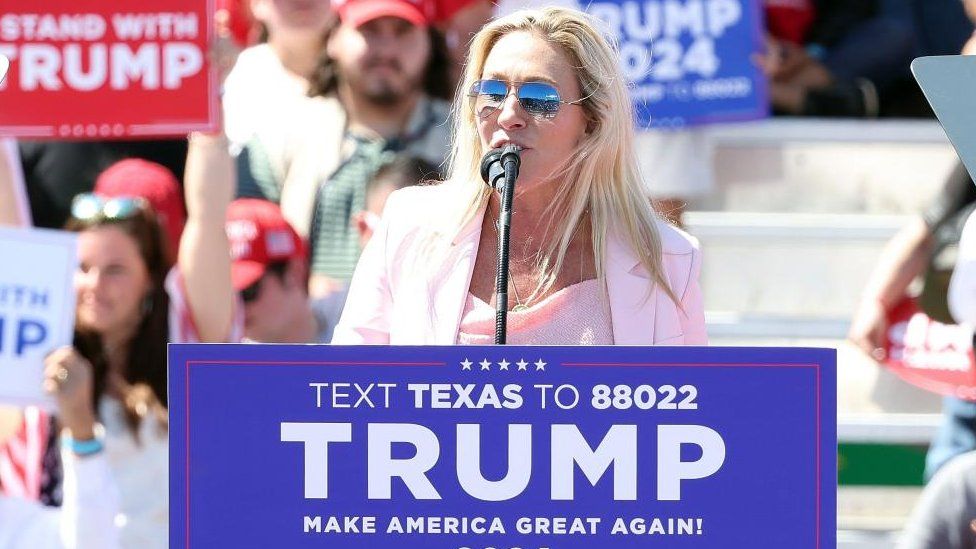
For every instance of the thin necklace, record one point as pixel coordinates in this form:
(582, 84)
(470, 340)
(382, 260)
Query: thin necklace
(519, 306)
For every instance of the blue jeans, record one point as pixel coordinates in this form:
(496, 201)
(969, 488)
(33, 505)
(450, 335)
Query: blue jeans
(956, 434)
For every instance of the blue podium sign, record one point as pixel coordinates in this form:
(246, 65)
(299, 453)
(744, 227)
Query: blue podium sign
(690, 62)
(502, 447)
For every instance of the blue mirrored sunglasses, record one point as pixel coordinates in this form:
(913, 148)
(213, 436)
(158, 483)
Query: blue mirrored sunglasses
(536, 98)
(91, 207)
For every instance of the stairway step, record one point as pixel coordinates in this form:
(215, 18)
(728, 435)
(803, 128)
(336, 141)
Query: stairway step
(809, 265)
(831, 130)
(828, 166)
(779, 226)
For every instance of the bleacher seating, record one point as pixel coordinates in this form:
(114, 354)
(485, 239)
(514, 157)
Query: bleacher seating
(810, 204)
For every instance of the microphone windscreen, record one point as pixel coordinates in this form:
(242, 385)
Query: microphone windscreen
(491, 166)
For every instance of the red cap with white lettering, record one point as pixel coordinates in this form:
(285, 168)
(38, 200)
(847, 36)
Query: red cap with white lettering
(259, 235)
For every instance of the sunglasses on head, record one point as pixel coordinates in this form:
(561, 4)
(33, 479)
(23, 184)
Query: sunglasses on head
(91, 207)
(539, 99)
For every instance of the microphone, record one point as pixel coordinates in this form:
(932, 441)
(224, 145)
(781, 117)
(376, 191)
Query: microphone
(499, 169)
(491, 168)
(499, 164)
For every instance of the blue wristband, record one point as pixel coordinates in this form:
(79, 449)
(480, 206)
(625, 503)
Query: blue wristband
(816, 51)
(82, 448)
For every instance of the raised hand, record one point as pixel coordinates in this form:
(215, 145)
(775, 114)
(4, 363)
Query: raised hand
(68, 378)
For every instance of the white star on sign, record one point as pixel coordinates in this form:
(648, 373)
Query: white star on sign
(522, 364)
(504, 364)
(466, 365)
(485, 364)
(540, 365)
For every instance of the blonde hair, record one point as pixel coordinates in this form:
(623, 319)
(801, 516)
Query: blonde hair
(606, 181)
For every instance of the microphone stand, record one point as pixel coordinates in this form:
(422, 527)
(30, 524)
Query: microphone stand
(510, 163)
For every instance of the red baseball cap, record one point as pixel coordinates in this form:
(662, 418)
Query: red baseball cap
(135, 177)
(445, 9)
(259, 236)
(358, 12)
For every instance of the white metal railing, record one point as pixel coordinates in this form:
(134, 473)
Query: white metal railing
(807, 130)
(730, 324)
(917, 429)
(857, 539)
(767, 226)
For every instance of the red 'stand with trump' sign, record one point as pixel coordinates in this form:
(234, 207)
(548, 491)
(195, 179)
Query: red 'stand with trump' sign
(108, 69)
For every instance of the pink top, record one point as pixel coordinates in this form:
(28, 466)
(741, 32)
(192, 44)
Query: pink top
(576, 315)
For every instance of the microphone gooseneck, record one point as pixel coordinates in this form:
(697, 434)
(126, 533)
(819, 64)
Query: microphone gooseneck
(499, 170)
(495, 163)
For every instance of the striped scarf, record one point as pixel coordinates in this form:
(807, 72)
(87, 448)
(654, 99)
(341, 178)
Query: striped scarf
(30, 463)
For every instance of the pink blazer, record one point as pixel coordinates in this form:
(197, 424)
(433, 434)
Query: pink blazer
(389, 302)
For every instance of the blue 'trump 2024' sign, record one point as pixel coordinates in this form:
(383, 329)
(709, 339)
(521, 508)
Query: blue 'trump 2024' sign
(502, 447)
(690, 62)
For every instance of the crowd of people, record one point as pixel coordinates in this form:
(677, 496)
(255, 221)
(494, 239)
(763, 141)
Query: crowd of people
(294, 223)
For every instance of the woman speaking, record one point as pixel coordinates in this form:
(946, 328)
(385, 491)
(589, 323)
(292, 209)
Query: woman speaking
(590, 262)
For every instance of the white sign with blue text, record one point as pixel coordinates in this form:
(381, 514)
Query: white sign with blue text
(37, 307)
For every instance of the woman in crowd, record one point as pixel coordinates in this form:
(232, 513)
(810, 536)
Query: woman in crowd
(131, 302)
(270, 78)
(590, 261)
(121, 331)
(89, 495)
